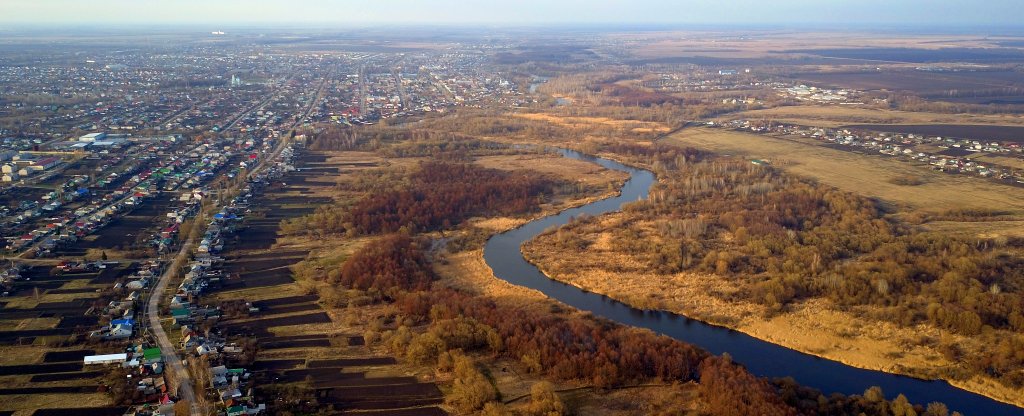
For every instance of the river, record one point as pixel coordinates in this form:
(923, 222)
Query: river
(503, 254)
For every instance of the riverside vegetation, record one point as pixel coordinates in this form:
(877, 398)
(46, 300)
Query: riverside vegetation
(781, 241)
(427, 320)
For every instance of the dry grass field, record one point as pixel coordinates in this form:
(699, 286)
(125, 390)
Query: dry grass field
(567, 169)
(862, 174)
(588, 122)
(835, 116)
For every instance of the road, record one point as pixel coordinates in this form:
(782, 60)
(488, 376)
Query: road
(181, 378)
(179, 374)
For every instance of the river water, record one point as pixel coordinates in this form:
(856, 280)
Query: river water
(502, 253)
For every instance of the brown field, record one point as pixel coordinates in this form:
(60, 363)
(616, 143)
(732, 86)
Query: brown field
(37, 374)
(292, 324)
(587, 122)
(566, 169)
(835, 116)
(27, 404)
(1002, 160)
(865, 175)
(918, 82)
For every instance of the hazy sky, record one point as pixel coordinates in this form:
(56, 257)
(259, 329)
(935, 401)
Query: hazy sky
(933, 13)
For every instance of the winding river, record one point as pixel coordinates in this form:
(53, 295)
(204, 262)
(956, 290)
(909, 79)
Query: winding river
(503, 254)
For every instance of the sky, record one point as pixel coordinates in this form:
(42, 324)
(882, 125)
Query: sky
(793, 13)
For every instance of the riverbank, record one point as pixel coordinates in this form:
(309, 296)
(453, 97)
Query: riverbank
(811, 327)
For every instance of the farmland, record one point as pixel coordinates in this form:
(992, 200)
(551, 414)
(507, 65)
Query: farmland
(297, 340)
(833, 116)
(43, 324)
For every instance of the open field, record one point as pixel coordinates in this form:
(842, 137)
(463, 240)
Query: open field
(919, 82)
(584, 122)
(299, 340)
(35, 372)
(562, 168)
(865, 175)
(830, 48)
(836, 116)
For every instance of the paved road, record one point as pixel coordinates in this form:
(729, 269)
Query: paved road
(181, 377)
(170, 355)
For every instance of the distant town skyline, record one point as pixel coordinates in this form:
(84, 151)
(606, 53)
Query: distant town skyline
(813, 13)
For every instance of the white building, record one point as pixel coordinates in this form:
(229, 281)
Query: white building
(105, 359)
(92, 137)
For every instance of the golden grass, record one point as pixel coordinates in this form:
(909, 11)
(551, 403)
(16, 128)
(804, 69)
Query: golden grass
(26, 404)
(980, 229)
(568, 169)
(867, 175)
(834, 116)
(28, 323)
(21, 354)
(588, 122)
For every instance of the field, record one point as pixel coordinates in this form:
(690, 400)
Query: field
(823, 48)
(862, 174)
(123, 233)
(835, 116)
(924, 83)
(587, 122)
(298, 340)
(40, 363)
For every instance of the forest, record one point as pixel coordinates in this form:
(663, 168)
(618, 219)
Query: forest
(784, 240)
(441, 194)
(435, 196)
(438, 326)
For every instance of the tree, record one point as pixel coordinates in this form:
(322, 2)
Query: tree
(729, 390)
(936, 409)
(544, 401)
(874, 394)
(471, 389)
(902, 407)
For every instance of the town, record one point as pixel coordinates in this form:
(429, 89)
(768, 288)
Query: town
(443, 220)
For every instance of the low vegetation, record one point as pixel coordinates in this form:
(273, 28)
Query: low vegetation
(782, 240)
